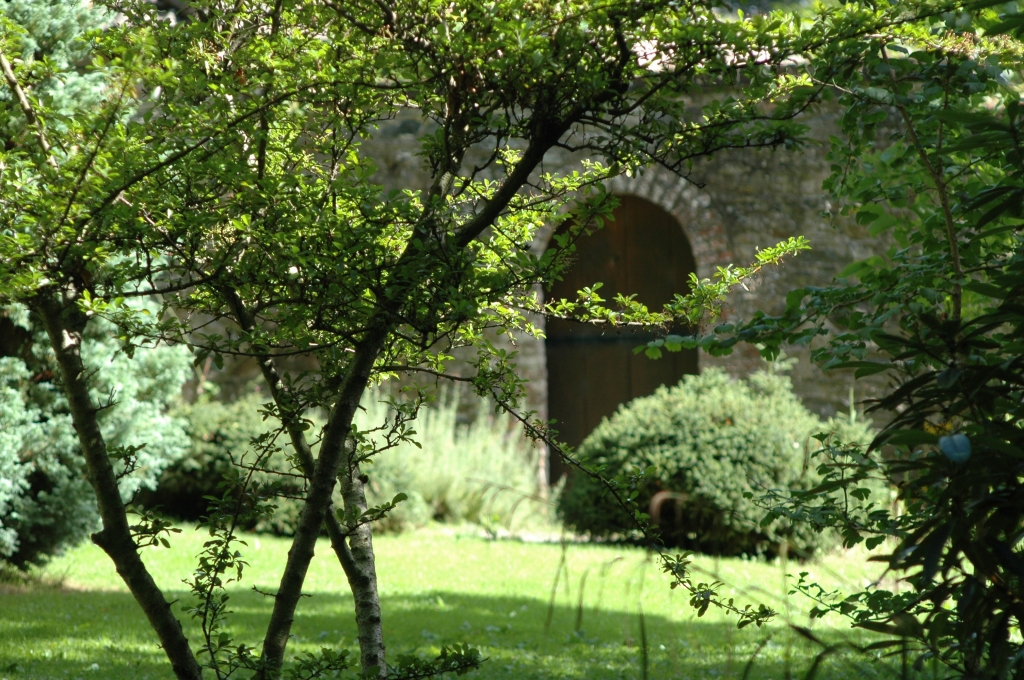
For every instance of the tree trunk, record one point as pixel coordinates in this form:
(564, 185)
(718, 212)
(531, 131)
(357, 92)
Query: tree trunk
(318, 502)
(64, 326)
(362, 570)
(358, 561)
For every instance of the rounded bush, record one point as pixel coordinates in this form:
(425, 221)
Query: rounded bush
(711, 440)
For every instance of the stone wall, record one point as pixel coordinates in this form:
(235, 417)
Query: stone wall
(732, 204)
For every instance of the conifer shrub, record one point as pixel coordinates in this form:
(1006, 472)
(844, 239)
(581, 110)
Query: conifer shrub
(711, 441)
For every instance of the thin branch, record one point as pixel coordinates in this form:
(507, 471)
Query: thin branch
(26, 108)
(941, 188)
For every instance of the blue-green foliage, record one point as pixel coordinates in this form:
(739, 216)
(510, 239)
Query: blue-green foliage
(53, 40)
(46, 502)
(715, 441)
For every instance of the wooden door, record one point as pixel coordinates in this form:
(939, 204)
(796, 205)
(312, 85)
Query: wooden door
(592, 370)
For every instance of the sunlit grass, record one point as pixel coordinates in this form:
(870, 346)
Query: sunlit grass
(438, 587)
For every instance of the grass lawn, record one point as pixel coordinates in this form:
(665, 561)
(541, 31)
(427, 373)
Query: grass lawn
(441, 586)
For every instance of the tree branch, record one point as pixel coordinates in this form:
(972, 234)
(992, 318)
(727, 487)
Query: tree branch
(26, 108)
(64, 325)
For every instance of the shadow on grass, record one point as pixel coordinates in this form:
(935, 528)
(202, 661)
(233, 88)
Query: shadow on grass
(50, 633)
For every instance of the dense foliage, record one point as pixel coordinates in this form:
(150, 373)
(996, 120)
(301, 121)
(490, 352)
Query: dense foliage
(46, 503)
(53, 49)
(715, 441)
(222, 175)
(933, 155)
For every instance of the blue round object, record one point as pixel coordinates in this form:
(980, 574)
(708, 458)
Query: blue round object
(956, 447)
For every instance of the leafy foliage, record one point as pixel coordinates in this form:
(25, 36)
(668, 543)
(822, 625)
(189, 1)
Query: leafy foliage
(222, 175)
(54, 46)
(712, 442)
(931, 154)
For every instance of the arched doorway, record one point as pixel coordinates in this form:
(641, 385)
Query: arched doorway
(592, 370)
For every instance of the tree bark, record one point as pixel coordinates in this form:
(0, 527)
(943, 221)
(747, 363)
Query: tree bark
(318, 501)
(64, 325)
(358, 560)
(361, 570)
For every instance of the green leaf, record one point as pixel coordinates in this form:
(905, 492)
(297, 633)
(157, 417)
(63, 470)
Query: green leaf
(794, 298)
(857, 268)
(911, 438)
(987, 289)
(864, 368)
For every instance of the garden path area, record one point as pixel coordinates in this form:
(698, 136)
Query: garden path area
(439, 587)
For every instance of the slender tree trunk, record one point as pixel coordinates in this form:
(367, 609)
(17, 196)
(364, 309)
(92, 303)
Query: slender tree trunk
(64, 326)
(362, 570)
(318, 501)
(358, 560)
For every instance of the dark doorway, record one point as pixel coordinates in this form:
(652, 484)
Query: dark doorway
(592, 370)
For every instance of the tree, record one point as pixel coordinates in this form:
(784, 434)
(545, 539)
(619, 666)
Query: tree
(222, 175)
(932, 156)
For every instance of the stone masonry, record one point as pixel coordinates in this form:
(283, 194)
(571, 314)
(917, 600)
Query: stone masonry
(746, 199)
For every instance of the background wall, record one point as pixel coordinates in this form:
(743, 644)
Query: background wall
(729, 207)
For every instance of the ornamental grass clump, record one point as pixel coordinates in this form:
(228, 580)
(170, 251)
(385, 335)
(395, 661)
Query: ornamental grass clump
(483, 471)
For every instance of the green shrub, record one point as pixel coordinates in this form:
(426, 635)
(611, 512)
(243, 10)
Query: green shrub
(478, 472)
(46, 503)
(713, 440)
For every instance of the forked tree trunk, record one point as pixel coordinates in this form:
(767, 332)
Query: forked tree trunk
(332, 461)
(356, 557)
(64, 325)
(357, 560)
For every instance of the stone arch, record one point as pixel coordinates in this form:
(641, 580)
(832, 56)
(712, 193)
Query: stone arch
(703, 226)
